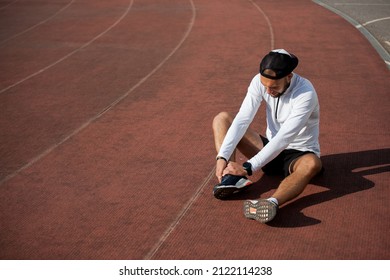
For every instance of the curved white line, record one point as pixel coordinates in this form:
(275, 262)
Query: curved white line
(101, 113)
(361, 4)
(71, 53)
(38, 24)
(182, 213)
(375, 20)
(189, 204)
(370, 37)
(9, 4)
(271, 30)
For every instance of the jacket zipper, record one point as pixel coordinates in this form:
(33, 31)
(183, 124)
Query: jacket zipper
(276, 111)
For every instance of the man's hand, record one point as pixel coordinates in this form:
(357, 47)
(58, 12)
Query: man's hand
(220, 167)
(234, 168)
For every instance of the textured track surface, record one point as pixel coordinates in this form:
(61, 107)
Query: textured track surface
(106, 149)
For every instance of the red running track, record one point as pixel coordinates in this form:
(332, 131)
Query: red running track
(106, 145)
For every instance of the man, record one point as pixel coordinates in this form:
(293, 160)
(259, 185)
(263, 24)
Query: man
(291, 146)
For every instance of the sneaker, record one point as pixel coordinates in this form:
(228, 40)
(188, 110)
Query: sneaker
(229, 185)
(261, 210)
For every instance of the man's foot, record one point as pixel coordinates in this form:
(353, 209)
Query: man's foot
(229, 185)
(261, 210)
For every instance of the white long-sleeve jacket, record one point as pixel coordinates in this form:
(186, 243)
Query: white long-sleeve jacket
(292, 120)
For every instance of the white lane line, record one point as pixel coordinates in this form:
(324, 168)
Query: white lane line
(370, 37)
(271, 30)
(109, 107)
(361, 4)
(71, 53)
(189, 204)
(178, 219)
(38, 24)
(375, 20)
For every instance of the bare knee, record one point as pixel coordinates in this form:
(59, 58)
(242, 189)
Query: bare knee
(308, 164)
(315, 165)
(222, 118)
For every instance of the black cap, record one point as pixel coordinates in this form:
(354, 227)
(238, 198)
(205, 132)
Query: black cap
(279, 61)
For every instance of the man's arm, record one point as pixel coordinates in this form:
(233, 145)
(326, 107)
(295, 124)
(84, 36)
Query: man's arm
(243, 119)
(303, 107)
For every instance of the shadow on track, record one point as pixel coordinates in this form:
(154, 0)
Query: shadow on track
(344, 174)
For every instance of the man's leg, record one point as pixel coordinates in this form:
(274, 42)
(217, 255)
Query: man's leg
(304, 169)
(249, 145)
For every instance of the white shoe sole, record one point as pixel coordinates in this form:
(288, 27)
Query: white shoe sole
(262, 210)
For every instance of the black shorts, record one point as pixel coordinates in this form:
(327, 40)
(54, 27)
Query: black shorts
(281, 164)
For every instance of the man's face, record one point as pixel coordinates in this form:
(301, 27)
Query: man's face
(276, 88)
